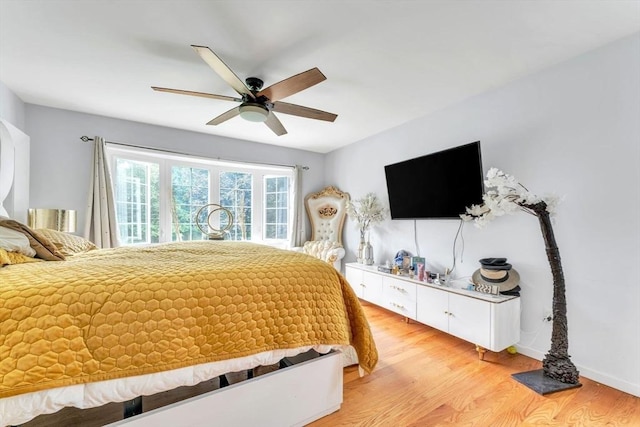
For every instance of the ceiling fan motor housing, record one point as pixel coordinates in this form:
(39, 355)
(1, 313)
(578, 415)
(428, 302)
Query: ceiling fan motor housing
(254, 84)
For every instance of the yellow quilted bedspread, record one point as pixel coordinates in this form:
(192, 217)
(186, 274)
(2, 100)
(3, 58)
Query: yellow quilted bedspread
(114, 313)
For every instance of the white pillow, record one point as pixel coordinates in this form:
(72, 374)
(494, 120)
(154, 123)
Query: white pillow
(14, 241)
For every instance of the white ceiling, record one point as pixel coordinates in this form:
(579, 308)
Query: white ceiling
(386, 62)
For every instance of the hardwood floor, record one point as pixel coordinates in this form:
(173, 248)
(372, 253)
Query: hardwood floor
(428, 378)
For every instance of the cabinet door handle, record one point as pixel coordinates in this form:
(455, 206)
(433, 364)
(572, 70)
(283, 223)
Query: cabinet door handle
(397, 305)
(363, 285)
(397, 288)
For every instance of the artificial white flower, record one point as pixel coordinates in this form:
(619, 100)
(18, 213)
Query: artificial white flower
(493, 172)
(552, 201)
(528, 198)
(478, 210)
(504, 196)
(366, 212)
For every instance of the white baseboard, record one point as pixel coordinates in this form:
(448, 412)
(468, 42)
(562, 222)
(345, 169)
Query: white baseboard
(617, 383)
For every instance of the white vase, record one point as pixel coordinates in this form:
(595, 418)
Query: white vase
(361, 249)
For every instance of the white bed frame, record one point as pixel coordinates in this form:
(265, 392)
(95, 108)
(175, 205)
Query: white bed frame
(292, 396)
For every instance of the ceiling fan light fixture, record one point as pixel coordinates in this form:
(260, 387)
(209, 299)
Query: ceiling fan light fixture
(253, 112)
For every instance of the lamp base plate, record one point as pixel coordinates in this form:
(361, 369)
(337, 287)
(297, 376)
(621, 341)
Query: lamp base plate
(541, 384)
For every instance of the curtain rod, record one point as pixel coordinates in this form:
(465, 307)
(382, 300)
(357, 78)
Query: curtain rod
(85, 138)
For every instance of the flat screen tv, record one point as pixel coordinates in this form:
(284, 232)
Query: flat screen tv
(437, 185)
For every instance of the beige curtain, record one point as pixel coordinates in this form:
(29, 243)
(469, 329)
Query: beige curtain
(101, 227)
(297, 223)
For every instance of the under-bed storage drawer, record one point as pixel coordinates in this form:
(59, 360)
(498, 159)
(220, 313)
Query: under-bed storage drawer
(293, 396)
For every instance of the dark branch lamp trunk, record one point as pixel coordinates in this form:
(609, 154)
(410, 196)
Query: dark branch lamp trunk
(558, 372)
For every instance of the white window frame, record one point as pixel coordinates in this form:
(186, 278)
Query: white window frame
(166, 160)
(290, 207)
(111, 157)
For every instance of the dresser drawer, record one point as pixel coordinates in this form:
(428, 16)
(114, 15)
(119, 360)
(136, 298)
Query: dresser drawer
(399, 296)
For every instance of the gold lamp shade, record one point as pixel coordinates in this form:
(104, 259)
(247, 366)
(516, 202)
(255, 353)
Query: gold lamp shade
(54, 219)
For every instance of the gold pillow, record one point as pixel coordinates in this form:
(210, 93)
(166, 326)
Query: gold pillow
(43, 247)
(8, 258)
(67, 244)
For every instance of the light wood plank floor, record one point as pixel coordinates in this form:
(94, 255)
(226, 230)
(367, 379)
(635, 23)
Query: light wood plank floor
(428, 378)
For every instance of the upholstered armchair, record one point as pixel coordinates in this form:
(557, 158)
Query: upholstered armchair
(327, 211)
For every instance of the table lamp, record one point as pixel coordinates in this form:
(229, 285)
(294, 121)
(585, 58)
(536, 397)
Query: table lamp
(54, 219)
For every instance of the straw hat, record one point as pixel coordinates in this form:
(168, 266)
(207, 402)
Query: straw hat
(496, 271)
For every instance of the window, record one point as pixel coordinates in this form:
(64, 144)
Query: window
(136, 197)
(236, 195)
(276, 207)
(189, 192)
(158, 196)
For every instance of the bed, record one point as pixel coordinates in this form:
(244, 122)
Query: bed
(109, 325)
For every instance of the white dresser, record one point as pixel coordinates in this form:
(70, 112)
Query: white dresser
(489, 321)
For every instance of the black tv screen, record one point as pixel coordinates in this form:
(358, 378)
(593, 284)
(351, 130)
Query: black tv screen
(438, 185)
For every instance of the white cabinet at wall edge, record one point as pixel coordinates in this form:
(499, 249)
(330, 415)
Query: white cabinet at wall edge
(491, 322)
(367, 285)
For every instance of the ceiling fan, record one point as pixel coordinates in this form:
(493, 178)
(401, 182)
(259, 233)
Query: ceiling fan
(257, 104)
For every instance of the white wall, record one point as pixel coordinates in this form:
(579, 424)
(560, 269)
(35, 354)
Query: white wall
(573, 129)
(61, 162)
(12, 108)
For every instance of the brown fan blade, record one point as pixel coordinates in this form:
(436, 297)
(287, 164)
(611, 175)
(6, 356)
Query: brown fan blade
(201, 94)
(275, 125)
(293, 84)
(223, 70)
(299, 110)
(225, 116)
